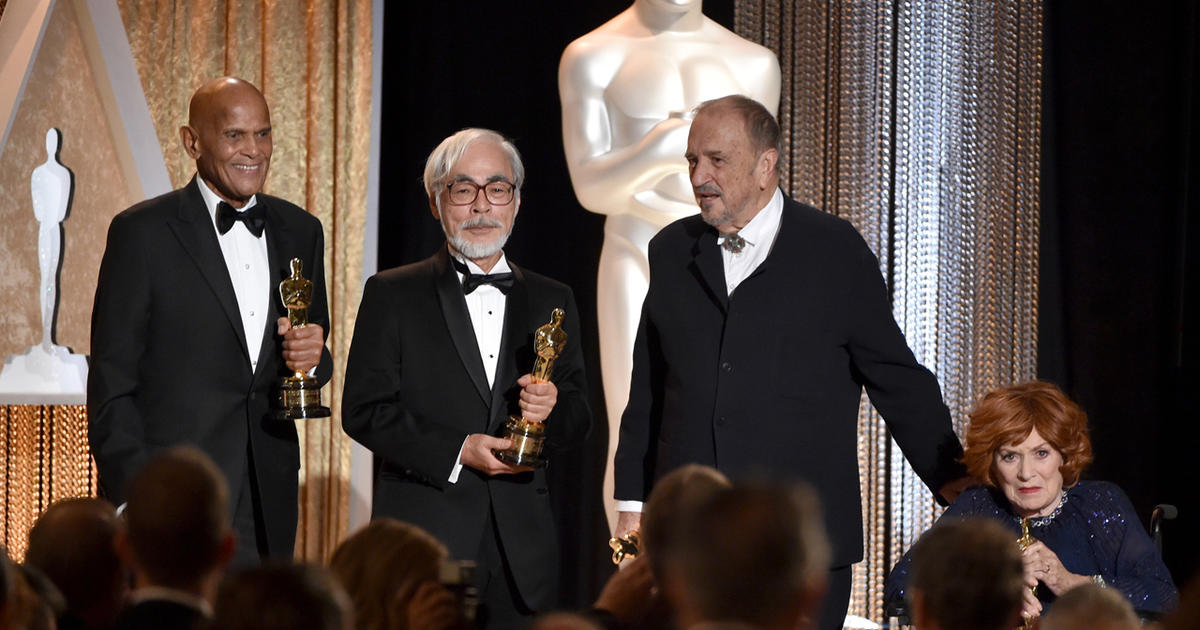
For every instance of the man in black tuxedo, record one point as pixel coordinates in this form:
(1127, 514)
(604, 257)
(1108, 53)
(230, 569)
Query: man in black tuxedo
(439, 359)
(188, 332)
(764, 320)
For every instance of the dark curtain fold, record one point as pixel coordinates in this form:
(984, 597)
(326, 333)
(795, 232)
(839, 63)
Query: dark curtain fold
(1121, 175)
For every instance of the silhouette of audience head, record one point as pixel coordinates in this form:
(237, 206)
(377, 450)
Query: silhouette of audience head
(753, 554)
(387, 566)
(282, 597)
(1091, 607)
(966, 575)
(178, 529)
(74, 545)
(672, 496)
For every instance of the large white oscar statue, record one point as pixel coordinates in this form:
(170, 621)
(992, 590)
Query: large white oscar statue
(47, 373)
(627, 90)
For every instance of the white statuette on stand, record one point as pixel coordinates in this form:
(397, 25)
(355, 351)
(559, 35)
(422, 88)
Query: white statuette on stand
(47, 373)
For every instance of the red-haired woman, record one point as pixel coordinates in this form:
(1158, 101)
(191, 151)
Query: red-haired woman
(1029, 443)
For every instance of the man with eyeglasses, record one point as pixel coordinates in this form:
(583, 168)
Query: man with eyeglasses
(439, 360)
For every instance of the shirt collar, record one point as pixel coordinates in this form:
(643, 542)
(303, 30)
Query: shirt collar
(764, 226)
(147, 593)
(211, 200)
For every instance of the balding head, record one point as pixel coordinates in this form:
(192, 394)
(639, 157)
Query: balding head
(229, 135)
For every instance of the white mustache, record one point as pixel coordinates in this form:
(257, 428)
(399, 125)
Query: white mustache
(480, 222)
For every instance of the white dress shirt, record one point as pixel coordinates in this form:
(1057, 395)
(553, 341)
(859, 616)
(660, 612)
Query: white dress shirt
(486, 306)
(246, 259)
(759, 235)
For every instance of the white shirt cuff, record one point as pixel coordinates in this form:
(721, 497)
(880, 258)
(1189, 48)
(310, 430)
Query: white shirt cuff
(629, 506)
(457, 463)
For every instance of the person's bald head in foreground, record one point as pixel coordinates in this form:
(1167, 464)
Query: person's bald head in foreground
(229, 136)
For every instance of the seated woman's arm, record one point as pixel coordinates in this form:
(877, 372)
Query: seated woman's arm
(1137, 569)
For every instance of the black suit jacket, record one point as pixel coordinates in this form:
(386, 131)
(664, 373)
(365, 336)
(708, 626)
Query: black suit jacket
(161, 614)
(416, 387)
(169, 358)
(767, 382)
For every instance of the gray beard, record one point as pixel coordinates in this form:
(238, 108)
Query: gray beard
(469, 249)
(472, 251)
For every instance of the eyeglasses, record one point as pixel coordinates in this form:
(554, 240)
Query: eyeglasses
(465, 191)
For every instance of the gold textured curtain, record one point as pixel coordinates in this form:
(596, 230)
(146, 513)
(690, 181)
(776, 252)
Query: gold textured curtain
(919, 122)
(312, 61)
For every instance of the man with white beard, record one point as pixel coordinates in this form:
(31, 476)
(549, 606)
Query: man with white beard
(440, 358)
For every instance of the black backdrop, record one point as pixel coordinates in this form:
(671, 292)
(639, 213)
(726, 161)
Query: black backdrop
(1120, 173)
(1120, 145)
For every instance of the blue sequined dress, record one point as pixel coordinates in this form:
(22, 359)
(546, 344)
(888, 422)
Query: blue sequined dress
(1094, 531)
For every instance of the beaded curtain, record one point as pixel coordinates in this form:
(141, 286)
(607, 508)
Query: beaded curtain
(919, 123)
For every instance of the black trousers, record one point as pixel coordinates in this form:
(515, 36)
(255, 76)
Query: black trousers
(500, 604)
(248, 521)
(837, 599)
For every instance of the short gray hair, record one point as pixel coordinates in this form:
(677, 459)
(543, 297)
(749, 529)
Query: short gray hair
(450, 151)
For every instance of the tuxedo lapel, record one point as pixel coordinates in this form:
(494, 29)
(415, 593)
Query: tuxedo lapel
(194, 229)
(707, 265)
(516, 322)
(458, 321)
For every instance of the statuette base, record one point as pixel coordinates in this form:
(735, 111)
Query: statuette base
(299, 398)
(527, 439)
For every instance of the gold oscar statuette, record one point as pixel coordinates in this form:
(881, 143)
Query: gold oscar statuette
(299, 394)
(627, 546)
(528, 436)
(1023, 543)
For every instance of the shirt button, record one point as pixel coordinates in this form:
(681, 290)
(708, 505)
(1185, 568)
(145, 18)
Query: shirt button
(251, 313)
(247, 266)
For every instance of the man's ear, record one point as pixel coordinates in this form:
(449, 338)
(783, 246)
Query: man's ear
(768, 165)
(121, 546)
(227, 548)
(191, 141)
(807, 611)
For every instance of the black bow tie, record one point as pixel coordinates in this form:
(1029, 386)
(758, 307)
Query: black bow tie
(471, 281)
(254, 218)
